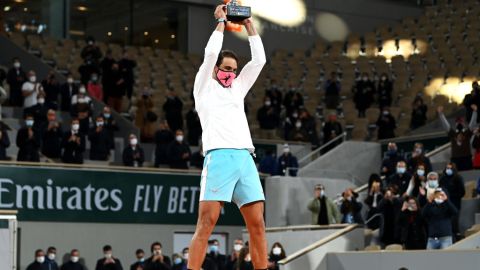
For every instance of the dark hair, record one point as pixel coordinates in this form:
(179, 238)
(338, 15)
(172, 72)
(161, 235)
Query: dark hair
(139, 251)
(277, 244)
(51, 248)
(185, 249)
(226, 54)
(107, 248)
(38, 251)
(155, 244)
(73, 250)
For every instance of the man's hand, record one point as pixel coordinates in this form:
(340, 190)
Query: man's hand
(404, 206)
(220, 12)
(30, 133)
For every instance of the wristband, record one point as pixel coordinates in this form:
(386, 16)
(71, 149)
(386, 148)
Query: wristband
(221, 20)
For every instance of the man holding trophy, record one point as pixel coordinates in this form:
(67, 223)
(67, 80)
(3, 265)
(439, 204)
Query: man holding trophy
(229, 172)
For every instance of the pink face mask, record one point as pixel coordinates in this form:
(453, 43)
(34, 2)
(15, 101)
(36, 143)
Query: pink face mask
(225, 77)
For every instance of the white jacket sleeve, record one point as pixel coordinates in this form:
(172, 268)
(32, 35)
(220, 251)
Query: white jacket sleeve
(252, 69)
(214, 46)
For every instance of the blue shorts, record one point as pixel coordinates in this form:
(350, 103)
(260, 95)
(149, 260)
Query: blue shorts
(230, 175)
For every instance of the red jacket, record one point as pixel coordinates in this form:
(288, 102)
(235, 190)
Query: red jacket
(95, 91)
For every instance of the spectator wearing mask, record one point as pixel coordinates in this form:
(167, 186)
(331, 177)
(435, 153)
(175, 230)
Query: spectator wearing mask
(268, 164)
(384, 91)
(287, 162)
(67, 91)
(438, 214)
(411, 225)
(108, 262)
(110, 125)
(30, 90)
(91, 52)
(158, 260)
(245, 260)
(472, 99)
(373, 200)
(74, 262)
(299, 133)
(351, 208)
(28, 141)
(418, 181)
(453, 184)
(73, 144)
(94, 88)
(133, 155)
(163, 138)
(293, 101)
(173, 110)
(39, 112)
(430, 187)
(289, 124)
(460, 138)
(194, 127)
(99, 140)
(117, 88)
(140, 263)
(386, 125)
(52, 137)
(332, 91)
(363, 92)
(277, 253)
(324, 211)
(332, 129)
(232, 260)
(391, 159)
(179, 152)
(419, 113)
(16, 77)
(268, 119)
(126, 65)
(80, 101)
(38, 263)
(106, 69)
(309, 124)
(145, 117)
(51, 88)
(389, 207)
(400, 180)
(50, 263)
(178, 262)
(4, 141)
(418, 157)
(185, 255)
(214, 254)
(275, 95)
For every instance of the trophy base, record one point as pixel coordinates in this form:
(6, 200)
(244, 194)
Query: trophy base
(238, 13)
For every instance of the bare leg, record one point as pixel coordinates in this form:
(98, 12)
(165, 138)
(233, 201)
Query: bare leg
(253, 216)
(208, 214)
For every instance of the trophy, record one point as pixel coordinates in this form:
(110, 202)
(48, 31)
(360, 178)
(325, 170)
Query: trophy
(237, 13)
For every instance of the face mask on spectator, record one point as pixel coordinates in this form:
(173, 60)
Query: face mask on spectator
(74, 259)
(41, 101)
(322, 193)
(277, 251)
(106, 115)
(82, 90)
(438, 200)
(90, 42)
(401, 170)
(82, 100)
(157, 252)
(412, 207)
(70, 80)
(29, 123)
(384, 78)
(286, 150)
(420, 172)
(268, 103)
(94, 78)
(365, 79)
(392, 152)
(75, 127)
(213, 248)
(298, 124)
(386, 113)
(179, 138)
(418, 150)
(237, 247)
(185, 256)
(16, 65)
(449, 172)
(108, 255)
(432, 183)
(141, 259)
(32, 79)
(133, 141)
(295, 115)
(51, 256)
(177, 261)
(100, 124)
(40, 259)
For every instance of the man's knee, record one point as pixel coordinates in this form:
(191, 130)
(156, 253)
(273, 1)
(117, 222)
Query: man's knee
(256, 226)
(206, 222)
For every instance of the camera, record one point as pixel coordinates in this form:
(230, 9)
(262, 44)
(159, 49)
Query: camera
(237, 13)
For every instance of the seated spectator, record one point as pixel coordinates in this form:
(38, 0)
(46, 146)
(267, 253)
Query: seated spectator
(140, 263)
(52, 89)
(126, 66)
(418, 157)
(331, 129)
(133, 155)
(351, 208)
(178, 152)
(289, 124)
(67, 91)
(194, 127)
(245, 260)
(38, 263)
(438, 214)
(389, 207)
(460, 139)
(163, 138)
(16, 77)
(110, 125)
(215, 256)
(28, 141)
(419, 180)
(268, 164)
(324, 211)
(392, 157)
(384, 91)
(145, 117)
(4, 141)
(178, 262)
(94, 88)
(411, 225)
(173, 110)
(299, 133)
(74, 262)
(419, 113)
(117, 88)
(81, 97)
(268, 119)
(287, 162)
(158, 260)
(373, 200)
(363, 93)
(452, 182)
(386, 125)
(400, 180)
(99, 140)
(30, 90)
(277, 253)
(39, 112)
(332, 92)
(472, 99)
(310, 126)
(50, 262)
(293, 101)
(476, 148)
(108, 262)
(275, 95)
(232, 260)
(52, 136)
(73, 144)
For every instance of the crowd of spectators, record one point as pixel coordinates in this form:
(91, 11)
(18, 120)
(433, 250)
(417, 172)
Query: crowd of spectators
(239, 259)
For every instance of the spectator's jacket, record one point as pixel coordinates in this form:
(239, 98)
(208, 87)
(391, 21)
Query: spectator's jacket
(390, 162)
(268, 165)
(4, 142)
(456, 188)
(220, 260)
(50, 264)
(52, 142)
(99, 144)
(400, 182)
(73, 151)
(95, 91)
(111, 266)
(462, 148)
(67, 91)
(28, 148)
(129, 160)
(72, 266)
(439, 218)
(352, 208)
(412, 229)
(137, 265)
(267, 118)
(332, 211)
(163, 138)
(150, 265)
(175, 152)
(287, 161)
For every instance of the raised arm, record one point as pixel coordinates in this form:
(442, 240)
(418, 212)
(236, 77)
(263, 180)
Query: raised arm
(473, 120)
(443, 119)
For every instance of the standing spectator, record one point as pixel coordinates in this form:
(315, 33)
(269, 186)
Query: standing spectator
(214, 254)
(94, 89)
(384, 91)
(108, 262)
(293, 101)
(277, 253)
(178, 262)
(194, 127)
(38, 264)
(173, 111)
(232, 260)
(373, 200)
(472, 99)
(331, 130)
(163, 137)
(289, 124)
(133, 155)
(268, 119)
(110, 125)
(50, 263)
(332, 92)
(400, 180)
(67, 91)
(15, 79)
(99, 140)
(30, 90)
(310, 126)
(74, 262)
(430, 187)
(140, 263)
(419, 180)
(178, 152)
(39, 112)
(28, 142)
(51, 88)
(91, 52)
(324, 211)
(363, 92)
(419, 113)
(392, 157)
(117, 89)
(438, 214)
(386, 125)
(4, 141)
(127, 65)
(158, 260)
(453, 183)
(80, 99)
(460, 138)
(268, 164)
(145, 117)
(245, 260)
(389, 207)
(418, 157)
(275, 95)
(287, 162)
(73, 144)
(106, 69)
(411, 225)
(351, 208)
(52, 137)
